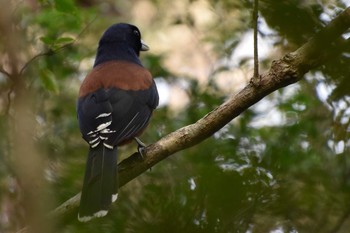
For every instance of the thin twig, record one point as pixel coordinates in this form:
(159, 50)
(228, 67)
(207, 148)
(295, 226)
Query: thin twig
(255, 25)
(47, 53)
(9, 93)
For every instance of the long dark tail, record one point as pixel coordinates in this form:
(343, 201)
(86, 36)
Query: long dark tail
(100, 186)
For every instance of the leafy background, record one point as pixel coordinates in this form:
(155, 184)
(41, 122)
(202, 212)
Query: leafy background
(282, 166)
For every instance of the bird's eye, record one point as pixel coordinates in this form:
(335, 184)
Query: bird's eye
(136, 32)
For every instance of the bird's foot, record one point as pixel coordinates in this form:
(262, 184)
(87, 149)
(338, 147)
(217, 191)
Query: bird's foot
(140, 146)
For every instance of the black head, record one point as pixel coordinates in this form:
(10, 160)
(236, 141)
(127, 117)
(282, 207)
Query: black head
(120, 42)
(124, 33)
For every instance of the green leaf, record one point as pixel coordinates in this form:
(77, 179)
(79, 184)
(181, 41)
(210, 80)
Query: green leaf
(48, 81)
(64, 40)
(47, 40)
(65, 6)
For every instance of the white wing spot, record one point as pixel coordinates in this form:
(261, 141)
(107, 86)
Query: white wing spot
(106, 114)
(108, 146)
(93, 141)
(106, 130)
(96, 144)
(103, 126)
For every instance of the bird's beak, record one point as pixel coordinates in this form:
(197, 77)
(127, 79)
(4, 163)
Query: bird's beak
(144, 47)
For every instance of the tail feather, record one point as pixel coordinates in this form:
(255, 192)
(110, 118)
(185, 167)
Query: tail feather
(100, 186)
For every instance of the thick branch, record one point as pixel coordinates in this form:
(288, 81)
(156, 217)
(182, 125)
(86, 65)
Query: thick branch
(282, 72)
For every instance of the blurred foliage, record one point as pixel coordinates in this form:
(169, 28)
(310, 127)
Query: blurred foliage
(290, 174)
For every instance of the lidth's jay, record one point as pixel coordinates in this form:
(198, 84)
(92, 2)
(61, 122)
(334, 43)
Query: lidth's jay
(115, 104)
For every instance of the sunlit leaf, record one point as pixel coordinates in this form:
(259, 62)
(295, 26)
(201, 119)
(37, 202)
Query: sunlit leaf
(64, 40)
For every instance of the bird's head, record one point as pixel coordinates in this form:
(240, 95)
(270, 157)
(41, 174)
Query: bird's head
(124, 33)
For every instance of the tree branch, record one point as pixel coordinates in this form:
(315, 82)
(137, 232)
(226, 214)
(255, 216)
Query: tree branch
(283, 72)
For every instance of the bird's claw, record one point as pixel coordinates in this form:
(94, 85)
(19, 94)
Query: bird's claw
(140, 146)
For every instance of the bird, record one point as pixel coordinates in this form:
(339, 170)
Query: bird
(115, 103)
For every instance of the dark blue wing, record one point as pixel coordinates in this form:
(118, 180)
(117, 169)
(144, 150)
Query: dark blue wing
(114, 115)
